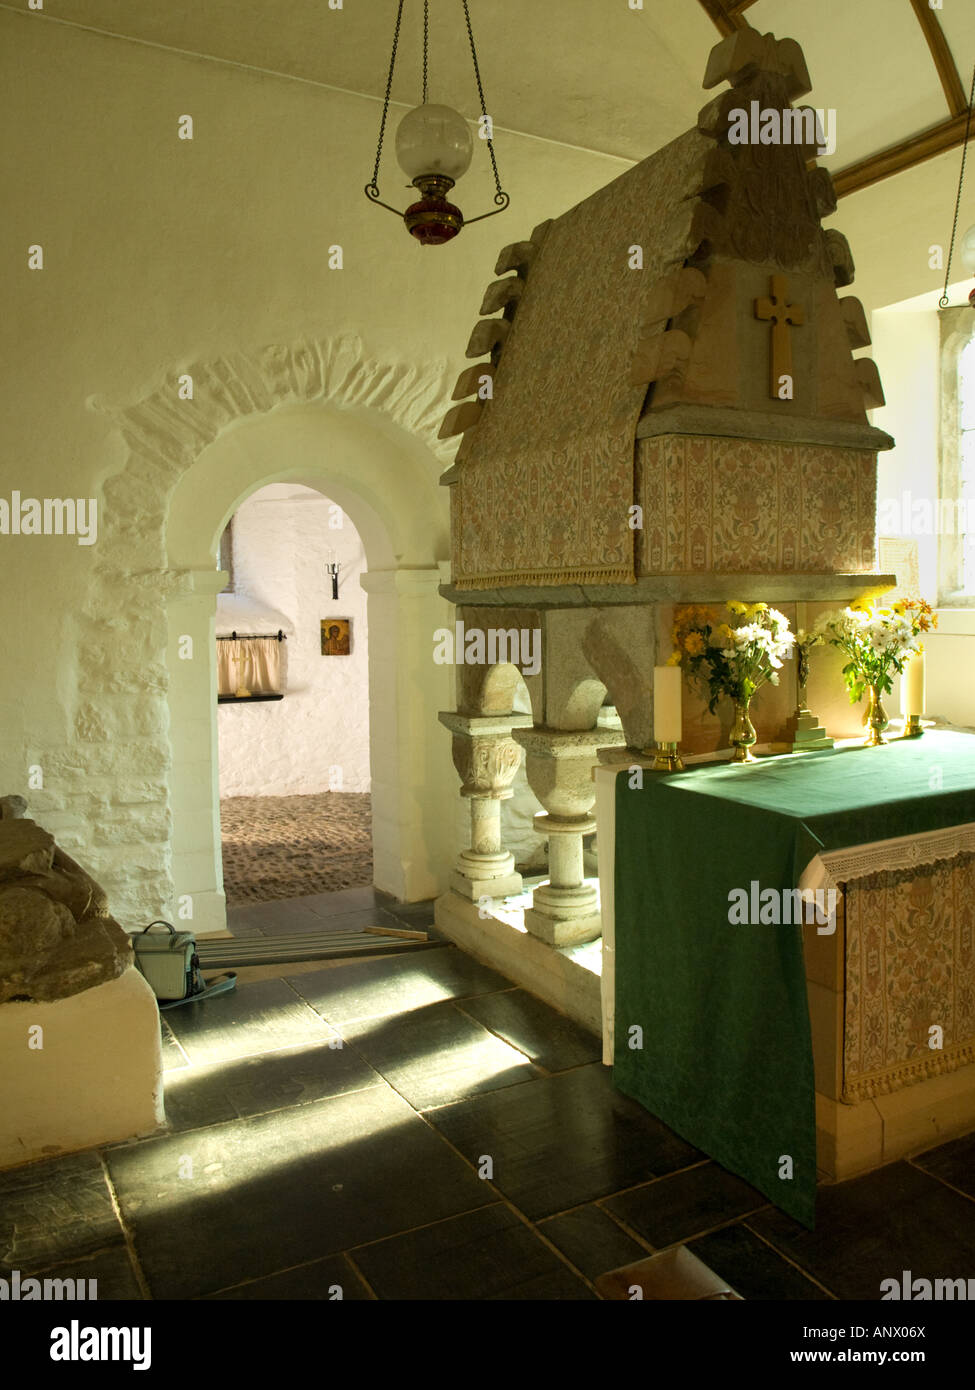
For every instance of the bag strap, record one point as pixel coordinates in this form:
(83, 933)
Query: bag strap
(158, 923)
(222, 984)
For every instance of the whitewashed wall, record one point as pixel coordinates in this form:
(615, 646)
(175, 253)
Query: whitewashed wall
(292, 747)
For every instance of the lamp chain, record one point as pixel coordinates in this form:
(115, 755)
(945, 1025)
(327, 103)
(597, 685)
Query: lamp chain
(500, 196)
(374, 185)
(943, 301)
(426, 45)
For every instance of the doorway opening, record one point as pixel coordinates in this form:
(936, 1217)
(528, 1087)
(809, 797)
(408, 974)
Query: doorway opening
(293, 700)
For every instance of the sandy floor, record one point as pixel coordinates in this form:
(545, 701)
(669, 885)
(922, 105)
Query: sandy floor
(290, 846)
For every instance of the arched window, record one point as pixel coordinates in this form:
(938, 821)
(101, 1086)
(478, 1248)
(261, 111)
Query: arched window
(955, 519)
(225, 560)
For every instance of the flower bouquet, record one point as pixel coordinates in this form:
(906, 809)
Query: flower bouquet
(732, 660)
(878, 643)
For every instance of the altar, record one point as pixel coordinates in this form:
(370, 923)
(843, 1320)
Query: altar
(784, 1050)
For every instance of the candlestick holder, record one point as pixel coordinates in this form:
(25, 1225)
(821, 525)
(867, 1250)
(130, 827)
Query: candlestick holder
(333, 570)
(912, 726)
(667, 758)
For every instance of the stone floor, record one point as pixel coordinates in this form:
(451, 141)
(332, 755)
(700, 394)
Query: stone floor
(463, 1142)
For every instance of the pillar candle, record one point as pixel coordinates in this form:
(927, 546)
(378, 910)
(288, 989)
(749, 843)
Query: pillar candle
(912, 686)
(667, 704)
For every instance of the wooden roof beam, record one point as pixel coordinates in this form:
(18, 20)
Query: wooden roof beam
(905, 155)
(941, 53)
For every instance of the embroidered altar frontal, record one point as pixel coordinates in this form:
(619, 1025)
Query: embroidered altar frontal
(743, 506)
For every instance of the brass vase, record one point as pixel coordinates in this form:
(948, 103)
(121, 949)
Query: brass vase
(875, 719)
(742, 734)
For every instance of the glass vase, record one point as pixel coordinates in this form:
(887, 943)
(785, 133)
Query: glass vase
(742, 734)
(875, 719)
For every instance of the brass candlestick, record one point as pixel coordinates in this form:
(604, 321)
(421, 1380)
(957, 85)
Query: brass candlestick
(912, 726)
(667, 758)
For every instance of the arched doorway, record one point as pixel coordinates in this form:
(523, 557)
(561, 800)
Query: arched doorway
(360, 468)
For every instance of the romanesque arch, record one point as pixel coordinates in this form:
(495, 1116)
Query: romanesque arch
(187, 453)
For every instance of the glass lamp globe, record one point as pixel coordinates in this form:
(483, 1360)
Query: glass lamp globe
(434, 140)
(966, 250)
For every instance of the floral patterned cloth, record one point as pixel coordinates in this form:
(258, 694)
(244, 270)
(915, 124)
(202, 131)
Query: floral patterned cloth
(542, 496)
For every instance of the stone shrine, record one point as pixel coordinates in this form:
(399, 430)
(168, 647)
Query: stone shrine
(664, 408)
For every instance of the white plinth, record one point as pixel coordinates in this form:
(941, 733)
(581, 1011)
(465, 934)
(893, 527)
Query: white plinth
(97, 1079)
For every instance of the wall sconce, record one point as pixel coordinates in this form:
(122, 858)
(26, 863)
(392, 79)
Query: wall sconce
(332, 568)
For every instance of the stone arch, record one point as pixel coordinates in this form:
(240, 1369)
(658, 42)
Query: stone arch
(151, 572)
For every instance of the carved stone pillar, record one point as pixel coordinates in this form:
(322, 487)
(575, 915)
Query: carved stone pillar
(565, 910)
(487, 758)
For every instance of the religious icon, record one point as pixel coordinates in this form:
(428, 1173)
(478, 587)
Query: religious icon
(336, 636)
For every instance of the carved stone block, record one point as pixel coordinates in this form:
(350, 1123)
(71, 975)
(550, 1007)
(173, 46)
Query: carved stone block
(460, 418)
(840, 258)
(500, 293)
(471, 380)
(869, 379)
(488, 334)
(856, 322)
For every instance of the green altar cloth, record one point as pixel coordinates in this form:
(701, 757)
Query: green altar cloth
(726, 1057)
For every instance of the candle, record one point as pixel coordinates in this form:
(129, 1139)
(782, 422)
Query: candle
(912, 686)
(667, 704)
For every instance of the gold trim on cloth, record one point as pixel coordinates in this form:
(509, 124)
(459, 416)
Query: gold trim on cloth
(547, 577)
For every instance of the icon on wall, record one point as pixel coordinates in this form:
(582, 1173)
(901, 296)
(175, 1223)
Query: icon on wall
(336, 636)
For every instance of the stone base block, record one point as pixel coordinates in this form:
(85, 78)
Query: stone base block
(506, 886)
(96, 1078)
(563, 931)
(551, 974)
(852, 1139)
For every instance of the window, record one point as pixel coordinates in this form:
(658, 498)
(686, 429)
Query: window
(225, 559)
(955, 519)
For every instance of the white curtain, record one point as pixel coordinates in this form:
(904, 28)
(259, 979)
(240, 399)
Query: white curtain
(249, 666)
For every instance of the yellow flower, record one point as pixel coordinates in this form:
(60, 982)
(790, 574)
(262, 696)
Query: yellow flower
(900, 606)
(725, 630)
(694, 644)
(674, 659)
(757, 608)
(736, 607)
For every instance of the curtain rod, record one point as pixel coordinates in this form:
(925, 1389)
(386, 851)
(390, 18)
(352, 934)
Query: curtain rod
(251, 636)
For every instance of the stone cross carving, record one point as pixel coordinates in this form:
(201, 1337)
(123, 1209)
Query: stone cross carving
(783, 316)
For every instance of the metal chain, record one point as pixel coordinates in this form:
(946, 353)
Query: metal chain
(426, 45)
(500, 196)
(374, 185)
(943, 301)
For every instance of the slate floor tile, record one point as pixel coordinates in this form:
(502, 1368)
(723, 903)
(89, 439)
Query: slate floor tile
(318, 1280)
(369, 988)
(751, 1268)
(436, 1055)
(872, 1228)
(685, 1204)
(283, 1189)
(415, 915)
(563, 1140)
(953, 1163)
(283, 914)
(482, 1255)
(346, 900)
(354, 920)
(533, 1027)
(591, 1240)
(253, 1018)
(246, 1086)
(111, 1270)
(55, 1211)
(172, 1054)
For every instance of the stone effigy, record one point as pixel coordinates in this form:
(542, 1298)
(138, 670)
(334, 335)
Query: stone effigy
(57, 936)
